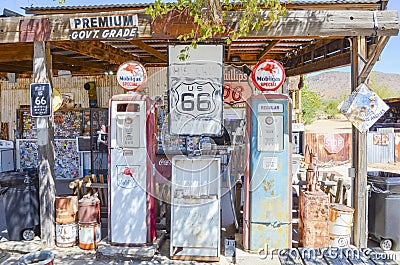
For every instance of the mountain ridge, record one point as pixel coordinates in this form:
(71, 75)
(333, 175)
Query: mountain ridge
(336, 84)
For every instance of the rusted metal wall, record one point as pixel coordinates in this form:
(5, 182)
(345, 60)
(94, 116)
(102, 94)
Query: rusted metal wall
(316, 142)
(380, 147)
(13, 95)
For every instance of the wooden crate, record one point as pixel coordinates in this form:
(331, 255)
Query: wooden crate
(313, 219)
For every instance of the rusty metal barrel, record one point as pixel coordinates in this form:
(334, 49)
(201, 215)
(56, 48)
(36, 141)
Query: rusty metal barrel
(66, 209)
(89, 235)
(89, 222)
(66, 217)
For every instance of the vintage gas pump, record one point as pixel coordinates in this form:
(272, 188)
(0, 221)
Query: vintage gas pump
(268, 192)
(131, 178)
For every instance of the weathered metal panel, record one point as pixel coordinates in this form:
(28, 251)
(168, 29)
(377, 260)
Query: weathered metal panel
(316, 142)
(31, 30)
(157, 82)
(380, 147)
(313, 219)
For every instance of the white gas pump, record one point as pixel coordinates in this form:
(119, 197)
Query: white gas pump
(131, 178)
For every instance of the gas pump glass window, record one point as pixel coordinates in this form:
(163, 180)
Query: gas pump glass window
(128, 124)
(270, 132)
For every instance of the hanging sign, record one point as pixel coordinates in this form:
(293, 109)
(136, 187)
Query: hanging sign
(196, 91)
(268, 75)
(131, 75)
(363, 108)
(40, 97)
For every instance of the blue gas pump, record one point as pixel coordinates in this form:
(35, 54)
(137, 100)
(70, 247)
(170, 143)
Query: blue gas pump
(268, 190)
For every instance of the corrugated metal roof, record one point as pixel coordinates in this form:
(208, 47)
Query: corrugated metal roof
(143, 5)
(63, 7)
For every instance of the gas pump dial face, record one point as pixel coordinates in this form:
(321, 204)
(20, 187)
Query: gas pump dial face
(269, 120)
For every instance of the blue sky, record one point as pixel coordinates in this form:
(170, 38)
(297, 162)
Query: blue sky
(388, 63)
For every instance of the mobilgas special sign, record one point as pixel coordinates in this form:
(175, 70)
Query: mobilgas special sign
(104, 27)
(268, 75)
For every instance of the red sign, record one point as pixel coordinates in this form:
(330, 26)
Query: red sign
(333, 143)
(268, 75)
(131, 75)
(237, 88)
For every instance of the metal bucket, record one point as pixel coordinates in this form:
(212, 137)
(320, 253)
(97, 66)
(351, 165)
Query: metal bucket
(66, 234)
(44, 257)
(89, 235)
(89, 210)
(66, 209)
(339, 241)
(340, 224)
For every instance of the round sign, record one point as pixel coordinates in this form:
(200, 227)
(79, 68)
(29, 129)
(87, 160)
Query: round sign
(131, 75)
(333, 143)
(268, 75)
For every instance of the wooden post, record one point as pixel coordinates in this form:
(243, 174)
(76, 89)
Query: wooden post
(359, 150)
(47, 192)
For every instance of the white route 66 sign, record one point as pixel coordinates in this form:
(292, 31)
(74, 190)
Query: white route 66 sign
(196, 90)
(195, 99)
(196, 108)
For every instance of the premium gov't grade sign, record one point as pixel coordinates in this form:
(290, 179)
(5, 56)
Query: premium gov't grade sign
(104, 27)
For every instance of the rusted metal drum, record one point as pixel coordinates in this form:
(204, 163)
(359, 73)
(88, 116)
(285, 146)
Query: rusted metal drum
(89, 235)
(66, 234)
(89, 210)
(340, 224)
(66, 209)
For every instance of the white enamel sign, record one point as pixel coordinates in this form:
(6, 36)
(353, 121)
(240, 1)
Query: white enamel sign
(196, 91)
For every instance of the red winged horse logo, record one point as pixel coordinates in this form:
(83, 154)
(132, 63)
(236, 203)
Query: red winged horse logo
(269, 68)
(131, 68)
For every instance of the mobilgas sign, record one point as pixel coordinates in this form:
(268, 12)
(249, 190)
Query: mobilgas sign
(268, 75)
(104, 27)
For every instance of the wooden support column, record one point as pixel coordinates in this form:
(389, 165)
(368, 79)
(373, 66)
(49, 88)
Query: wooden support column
(359, 150)
(47, 191)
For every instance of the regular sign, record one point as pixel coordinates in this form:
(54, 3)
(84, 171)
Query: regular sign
(268, 75)
(40, 96)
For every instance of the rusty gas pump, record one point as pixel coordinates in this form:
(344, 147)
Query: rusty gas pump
(313, 208)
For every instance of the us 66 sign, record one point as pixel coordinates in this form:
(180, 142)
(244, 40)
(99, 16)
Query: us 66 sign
(196, 108)
(196, 99)
(40, 95)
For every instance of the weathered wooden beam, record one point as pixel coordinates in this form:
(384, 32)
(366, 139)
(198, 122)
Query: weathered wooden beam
(47, 187)
(322, 64)
(297, 23)
(16, 67)
(57, 58)
(60, 25)
(149, 49)
(359, 161)
(373, 59)
(96, 50)
(267, 48)
(324, 23)
(16, 52)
